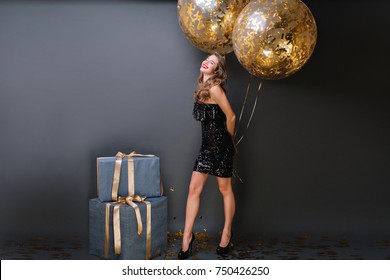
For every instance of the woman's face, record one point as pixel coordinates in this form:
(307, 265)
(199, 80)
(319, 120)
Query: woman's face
(209, 65)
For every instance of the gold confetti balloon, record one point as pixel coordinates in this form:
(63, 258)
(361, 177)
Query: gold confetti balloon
(208, 24)
(273, 39)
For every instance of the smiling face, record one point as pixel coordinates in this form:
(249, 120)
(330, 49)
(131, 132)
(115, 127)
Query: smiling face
(209, 65)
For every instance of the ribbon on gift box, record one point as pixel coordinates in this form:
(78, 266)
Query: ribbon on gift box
(116, 223)
(130, 199)
(130, 171)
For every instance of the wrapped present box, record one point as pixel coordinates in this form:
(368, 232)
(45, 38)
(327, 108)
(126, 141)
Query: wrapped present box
(133, 174)
(132, 245)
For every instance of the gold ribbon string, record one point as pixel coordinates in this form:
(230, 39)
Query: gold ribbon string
(244, 103)
(253, 111)
(235, 172)
(116, 223)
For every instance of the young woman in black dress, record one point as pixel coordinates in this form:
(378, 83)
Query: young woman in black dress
(213, 110)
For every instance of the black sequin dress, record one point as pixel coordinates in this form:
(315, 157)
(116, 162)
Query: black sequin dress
(217, 150)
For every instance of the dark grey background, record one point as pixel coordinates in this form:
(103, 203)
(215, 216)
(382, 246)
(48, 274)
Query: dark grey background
(82, 79)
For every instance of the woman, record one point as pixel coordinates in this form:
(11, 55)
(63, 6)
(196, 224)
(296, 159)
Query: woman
(213, 110)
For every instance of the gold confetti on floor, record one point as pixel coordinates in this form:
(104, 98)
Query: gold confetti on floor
(303, 247)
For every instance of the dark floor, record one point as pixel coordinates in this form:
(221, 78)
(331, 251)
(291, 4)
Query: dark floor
(302, 247)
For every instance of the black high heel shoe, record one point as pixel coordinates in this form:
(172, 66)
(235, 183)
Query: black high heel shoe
(182, 255)
(224, 250)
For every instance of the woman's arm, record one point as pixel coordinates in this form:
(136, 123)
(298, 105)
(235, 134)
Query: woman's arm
(218, 95)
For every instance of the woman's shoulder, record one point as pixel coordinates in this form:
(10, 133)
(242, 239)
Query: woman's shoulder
(217, 89)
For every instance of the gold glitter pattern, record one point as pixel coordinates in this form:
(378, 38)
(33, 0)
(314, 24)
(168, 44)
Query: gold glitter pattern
(273, 39)
(208, 24)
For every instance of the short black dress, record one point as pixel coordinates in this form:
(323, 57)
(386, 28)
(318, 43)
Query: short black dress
(217, 150)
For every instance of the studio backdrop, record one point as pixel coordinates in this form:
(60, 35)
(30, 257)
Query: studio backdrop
(85, 79)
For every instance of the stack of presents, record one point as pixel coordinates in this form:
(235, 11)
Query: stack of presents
(128, 219)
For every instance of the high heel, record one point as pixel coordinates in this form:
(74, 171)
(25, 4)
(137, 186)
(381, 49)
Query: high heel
(224, 250)
(182, 255)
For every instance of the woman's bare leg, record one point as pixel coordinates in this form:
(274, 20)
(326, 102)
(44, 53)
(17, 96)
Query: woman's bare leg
(197, 183)
(229, 207)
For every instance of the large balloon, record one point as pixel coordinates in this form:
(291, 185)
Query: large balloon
(273, 39)
(208, 24)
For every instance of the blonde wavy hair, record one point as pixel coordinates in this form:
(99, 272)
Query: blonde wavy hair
(202, 93)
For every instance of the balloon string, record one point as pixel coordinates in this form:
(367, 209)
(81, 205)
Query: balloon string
(243, 105)
(235, 172)
(235, 175)
(253, 110)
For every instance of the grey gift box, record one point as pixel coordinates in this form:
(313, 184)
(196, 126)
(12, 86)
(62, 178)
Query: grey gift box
(133, 246)
(146, 177)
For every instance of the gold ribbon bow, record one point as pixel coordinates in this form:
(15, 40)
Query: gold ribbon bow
(117, 227)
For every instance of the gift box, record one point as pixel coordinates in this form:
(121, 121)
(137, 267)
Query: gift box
(133, 246)
(125, 175)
